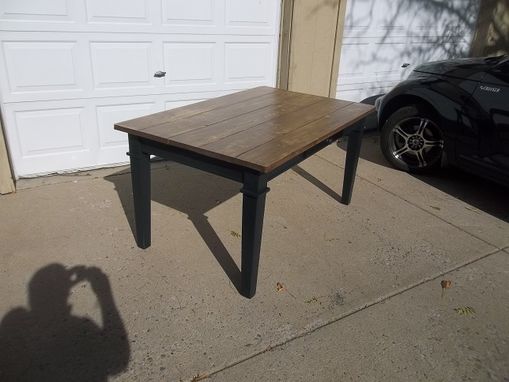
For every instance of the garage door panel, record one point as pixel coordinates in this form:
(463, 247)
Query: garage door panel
(191, 63)
(357, 67)
(113, 144)
(122, 64)
(200, 12)
(118, 11)
(250, 12)
(108, 115)
(29, 10)
(251, 17)
(49, 136)
(248, 62)
(50, 131)
(168, 105)
(40, 66)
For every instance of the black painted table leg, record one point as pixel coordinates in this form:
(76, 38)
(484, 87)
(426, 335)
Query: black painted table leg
(253, 207)
(140, 176)
(352, 157)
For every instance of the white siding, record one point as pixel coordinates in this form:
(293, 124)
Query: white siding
(381, 35)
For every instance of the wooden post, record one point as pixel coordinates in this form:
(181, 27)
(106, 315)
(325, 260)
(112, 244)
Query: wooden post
(6, 178)
(310, 45)
(284, 43)
(338, 41)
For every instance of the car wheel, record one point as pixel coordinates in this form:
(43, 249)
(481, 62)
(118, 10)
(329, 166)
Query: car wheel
(412, 140)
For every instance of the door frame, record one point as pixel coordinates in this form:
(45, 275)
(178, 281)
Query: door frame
(6, 174)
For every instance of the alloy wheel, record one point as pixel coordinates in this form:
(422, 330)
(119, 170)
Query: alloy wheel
(416, 142)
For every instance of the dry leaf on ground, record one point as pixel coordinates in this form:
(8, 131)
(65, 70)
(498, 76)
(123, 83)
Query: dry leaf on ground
(446, 284)
(465, 311)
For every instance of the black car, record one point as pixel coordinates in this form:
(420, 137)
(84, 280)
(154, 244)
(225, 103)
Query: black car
(454, 111)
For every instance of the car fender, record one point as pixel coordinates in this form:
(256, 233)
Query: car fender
(447, 99)
(450, 99)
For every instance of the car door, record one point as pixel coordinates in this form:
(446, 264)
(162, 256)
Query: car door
(492, 95)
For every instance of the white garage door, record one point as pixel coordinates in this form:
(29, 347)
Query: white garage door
(382, 35)
(70, 69)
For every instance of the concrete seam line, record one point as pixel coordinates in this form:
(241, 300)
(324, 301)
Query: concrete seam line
(85, 177)
(356, 310)
(417, 206)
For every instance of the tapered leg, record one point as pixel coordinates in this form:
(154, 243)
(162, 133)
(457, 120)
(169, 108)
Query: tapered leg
(253, 207)
(140, 177)
(352, 157)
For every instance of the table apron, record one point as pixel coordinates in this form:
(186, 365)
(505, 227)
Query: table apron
(313, 150)
(194, 160)
(229, 170)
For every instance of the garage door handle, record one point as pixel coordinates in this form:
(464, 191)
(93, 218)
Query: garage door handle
(159, 74)
(406, 64)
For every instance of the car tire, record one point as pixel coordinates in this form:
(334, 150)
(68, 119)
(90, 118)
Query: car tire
(412, 139)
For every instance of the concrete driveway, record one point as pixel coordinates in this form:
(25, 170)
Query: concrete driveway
(344, 292)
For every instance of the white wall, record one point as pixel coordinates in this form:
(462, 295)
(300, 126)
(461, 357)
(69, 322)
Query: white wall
(381, 35)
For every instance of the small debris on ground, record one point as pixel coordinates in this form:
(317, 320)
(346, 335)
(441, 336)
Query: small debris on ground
(465, 311)
(199, 377)
(445, 284)
(337, 299)
(281, 288)
(436, 208)
(235, 234)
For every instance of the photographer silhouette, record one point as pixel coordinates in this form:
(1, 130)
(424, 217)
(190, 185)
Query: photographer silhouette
(47, 343)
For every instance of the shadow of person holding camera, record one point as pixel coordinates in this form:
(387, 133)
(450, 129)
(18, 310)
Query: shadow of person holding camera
(48, 343)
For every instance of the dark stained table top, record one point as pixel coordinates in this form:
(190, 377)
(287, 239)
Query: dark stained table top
(260, 128)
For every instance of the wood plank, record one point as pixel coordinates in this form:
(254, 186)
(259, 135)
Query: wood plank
(316, 132)
(190, 110)
(161, 133)
(218, 115)
(237, 144)
(6, 179)
(218, 131)
(279, 150)
(257, 133)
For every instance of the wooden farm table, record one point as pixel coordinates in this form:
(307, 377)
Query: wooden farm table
(250, 137)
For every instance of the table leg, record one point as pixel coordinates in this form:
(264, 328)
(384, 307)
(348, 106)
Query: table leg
(140, 177)
(253, 207)
(352, 157)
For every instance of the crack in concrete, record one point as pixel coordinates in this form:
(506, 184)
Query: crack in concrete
(416, 205)
(386, 297)
(381, 299)
(375, 302)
